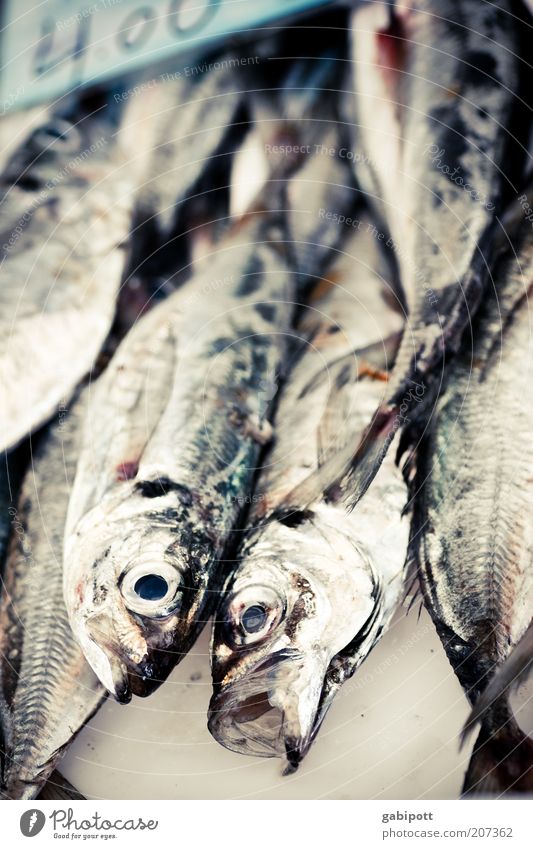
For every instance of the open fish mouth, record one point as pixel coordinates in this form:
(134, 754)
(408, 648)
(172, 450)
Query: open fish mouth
(249, 726)
(271, 711)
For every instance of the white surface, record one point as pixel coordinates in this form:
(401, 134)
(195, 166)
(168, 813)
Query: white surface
(392, 733)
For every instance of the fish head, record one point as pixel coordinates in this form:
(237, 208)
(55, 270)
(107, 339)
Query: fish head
(301, 593)
(135, 595)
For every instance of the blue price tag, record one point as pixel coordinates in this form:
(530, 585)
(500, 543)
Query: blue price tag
(51, 47)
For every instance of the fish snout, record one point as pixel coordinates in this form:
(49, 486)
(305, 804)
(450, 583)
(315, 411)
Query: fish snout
(114, 652)
(271, 711)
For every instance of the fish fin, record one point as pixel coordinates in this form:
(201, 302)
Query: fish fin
(337, 473)
(515, 669)
(57, 787)
(337, 407)
(501, 763)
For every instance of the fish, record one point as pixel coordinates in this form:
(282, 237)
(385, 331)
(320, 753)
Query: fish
(172, 437)
(471, 538)
(439, 150)
(67, 196)
(312, 589)
(47, 690)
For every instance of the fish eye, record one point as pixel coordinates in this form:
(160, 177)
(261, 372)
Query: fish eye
(151, 589)
(253, 613)
(254, 618)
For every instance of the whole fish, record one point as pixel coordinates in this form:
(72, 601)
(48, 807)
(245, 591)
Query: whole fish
(314, 588)
(172, 438)
(47, 690)
(438, 93)
(472, 539)
(67, 196)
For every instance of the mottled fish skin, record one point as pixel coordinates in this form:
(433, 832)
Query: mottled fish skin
(436, 90)
(472, 535)
(65, 214)
(47, 690)
(321, 583)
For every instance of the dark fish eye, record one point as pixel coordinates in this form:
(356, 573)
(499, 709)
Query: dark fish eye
(254, 618)
(151, 587)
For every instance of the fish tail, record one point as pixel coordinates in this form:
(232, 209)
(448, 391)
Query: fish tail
(502, 760)
(501, 763)
(514, 671)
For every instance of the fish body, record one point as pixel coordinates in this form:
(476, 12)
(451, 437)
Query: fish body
(437, 90)
(472, 538)
(47, 690)
(313, 588)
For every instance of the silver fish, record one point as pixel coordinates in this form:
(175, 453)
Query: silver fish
(438, 98)
(314, 588)
(65, 214)
(47, 690)
(173, 434)
(472, 538)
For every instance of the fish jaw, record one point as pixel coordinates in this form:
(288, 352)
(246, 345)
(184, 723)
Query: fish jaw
(107, 666)
(272, 711)
(132, 657)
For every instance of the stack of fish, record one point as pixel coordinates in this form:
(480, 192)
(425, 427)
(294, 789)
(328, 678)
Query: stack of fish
(232, 305)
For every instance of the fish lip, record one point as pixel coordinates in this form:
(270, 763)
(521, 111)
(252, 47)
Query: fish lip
(261, 686)
(123, 674)
(106, 665)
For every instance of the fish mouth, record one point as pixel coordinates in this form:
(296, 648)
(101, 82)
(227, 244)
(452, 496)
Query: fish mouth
(107, 666)
(272, 710)
(139, 672)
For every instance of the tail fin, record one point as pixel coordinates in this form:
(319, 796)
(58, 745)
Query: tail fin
(502, 760)
(501, 763)
(511, 673)
(57, 787)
